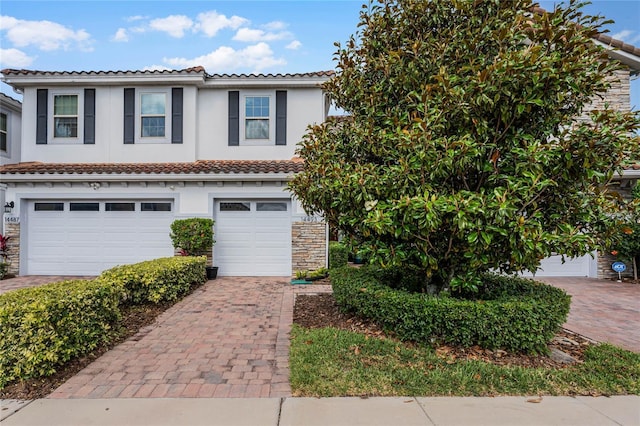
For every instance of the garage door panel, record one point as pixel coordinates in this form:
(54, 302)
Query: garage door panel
(87, 242)
(573, 267)
(253, 242)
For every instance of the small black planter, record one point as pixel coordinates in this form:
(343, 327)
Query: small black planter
(212, 272)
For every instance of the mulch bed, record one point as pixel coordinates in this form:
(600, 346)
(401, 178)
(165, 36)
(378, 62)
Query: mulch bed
(133, 319)
(318, 311)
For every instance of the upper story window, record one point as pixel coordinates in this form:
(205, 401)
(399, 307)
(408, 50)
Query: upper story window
(3, 132)
(65, 116)
(152, 114)
(257, 117)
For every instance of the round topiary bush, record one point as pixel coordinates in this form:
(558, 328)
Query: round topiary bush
(194, 235)
(511, 313)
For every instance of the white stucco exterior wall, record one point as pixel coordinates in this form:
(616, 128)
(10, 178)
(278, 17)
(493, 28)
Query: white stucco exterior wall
(205, 128)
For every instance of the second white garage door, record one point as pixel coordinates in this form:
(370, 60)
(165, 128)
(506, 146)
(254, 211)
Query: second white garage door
(84, 237)
(253, 237)
(552, 266)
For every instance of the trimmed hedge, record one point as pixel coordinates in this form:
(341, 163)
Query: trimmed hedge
(158, 280)
(515, 314)
(338, 255)
(44, 327)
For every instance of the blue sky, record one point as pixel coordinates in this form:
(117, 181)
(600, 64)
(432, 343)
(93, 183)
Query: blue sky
(223, 36)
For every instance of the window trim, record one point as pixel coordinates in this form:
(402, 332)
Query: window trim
(79, 138)
(138, 138)
(243, 117)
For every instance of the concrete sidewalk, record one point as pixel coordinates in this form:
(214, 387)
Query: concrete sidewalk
(583, 411)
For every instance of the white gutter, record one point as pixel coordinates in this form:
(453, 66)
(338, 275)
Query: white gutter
(120, 177)
(632, 61)
(628, 174)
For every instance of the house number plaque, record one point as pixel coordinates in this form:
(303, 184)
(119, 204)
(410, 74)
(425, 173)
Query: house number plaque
(12, 219)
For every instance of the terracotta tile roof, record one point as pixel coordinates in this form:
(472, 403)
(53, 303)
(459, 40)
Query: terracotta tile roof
(288, 75)
(24, 72)
(9, 98)
(201, 166)
(608, 40)
(194, 70)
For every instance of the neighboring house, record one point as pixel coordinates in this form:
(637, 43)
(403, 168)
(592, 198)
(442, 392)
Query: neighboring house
(10, 128)
(618, 97)
(110, 158)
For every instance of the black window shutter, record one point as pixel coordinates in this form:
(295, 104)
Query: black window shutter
(42, 99)
(89, 116)
(176, 115)
(234, 118)
(281, 117)
(129, 115)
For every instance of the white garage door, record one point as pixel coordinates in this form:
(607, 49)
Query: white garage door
(85, 237)
(572, 267)
(253, 237)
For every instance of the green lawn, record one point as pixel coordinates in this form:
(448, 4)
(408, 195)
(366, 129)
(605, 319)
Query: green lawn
(331, 362)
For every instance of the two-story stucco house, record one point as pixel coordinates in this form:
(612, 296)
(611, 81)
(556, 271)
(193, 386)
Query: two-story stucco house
(110, 158)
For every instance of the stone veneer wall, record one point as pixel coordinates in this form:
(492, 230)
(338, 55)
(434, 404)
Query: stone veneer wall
(617, 97)
(13, 247)
(604, 267)
(308, 246)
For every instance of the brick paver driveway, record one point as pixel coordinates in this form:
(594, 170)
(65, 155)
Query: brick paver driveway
(230, 338)
(604, 310)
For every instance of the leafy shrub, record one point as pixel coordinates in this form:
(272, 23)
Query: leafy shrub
(338, 255)
(194, 235)
(157, 280)
(43, 327)
(512, 313)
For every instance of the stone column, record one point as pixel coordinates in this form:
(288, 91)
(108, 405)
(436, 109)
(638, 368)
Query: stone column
(12, 230)
(308, 246)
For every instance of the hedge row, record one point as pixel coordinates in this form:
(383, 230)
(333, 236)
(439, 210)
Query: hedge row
(338, 255)
(44, 327)
(511, 313)
(157, 280)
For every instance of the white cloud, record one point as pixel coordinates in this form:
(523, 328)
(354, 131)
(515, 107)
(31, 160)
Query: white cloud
(628, 36)
(275, 26)
(120, 35)
(135, 18)
(14, 58)
(622, 35)
(251, 35)
(156, 68)
(211, 22)
(294, 45)
(174, 25)
(226, 59)
(45, 35)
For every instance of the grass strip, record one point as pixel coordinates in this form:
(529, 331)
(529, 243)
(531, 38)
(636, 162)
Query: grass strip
(331, 362)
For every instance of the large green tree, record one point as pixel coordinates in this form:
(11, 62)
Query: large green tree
(462, 152)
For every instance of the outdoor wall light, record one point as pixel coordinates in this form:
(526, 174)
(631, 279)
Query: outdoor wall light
(9, 206)
(95, 185)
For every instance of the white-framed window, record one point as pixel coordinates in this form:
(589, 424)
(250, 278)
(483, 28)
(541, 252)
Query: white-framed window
(153, 122)
(153, 108)
(4, 132)
(256, 117)
(257, 111)
(65, 116)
